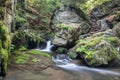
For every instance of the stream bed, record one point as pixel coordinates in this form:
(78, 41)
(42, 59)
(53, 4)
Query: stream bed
(63, 69)
(53, 73)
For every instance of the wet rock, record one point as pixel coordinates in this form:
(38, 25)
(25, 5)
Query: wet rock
(68, 23)
(103, 24)
(108, 11)
(105, 9)
(116, 19)
(100, 12)
(116, 30)
(72, 54)
(61, 50)
(99, 49)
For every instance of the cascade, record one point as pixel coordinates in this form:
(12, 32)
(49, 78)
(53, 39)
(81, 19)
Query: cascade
(47, 48)
(64, 62)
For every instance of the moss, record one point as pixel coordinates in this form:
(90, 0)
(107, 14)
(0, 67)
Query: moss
(21, 58)
(98, 49)
(71, 55)
(88, 5)
(4, 54)
(64, 26)
(116, 30)
(61, 50)
(4, 43)
(36, 52)
(35, 60)
(30, 56)
(22, 48)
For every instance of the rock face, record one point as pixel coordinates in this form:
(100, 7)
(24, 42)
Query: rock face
(68, 23)
(6, 18)
(99, 49)
(107, 14)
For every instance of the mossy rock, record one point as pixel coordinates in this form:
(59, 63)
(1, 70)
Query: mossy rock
(4, 44)
(116, 30)
(37, 52)
(29, 57)
(98, 49)
(88, 5)
(61, 50)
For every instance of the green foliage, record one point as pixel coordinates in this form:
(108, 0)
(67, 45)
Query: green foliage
(21, 58)
(4, 43)
(23, 38)
(22, 48)
(88, 5)
(45, 9)
(36, 52)
(21, 20)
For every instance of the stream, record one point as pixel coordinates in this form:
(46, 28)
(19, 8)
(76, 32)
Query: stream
(65, 63)
(65, 69)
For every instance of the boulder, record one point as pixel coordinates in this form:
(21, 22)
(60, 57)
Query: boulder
(99, 49)
(68, 23)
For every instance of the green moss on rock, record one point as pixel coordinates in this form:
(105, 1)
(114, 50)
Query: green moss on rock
(88, 5)
(116, 30)
(4, 43)
(37, 52)
(64, 26)
(30, 57)
(98, 49)
(62, 50)
(21, 58)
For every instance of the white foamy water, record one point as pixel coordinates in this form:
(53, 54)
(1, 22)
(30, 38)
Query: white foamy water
(47, 48)
(65, 63)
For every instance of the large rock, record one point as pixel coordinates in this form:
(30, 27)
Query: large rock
(68, 23)
(99, 49)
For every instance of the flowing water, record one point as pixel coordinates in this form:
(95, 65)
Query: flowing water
(47, 48)
(65, 70)
(64, 62)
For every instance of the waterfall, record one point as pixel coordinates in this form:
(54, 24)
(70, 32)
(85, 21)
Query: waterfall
(65, 62)
(47, 48)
